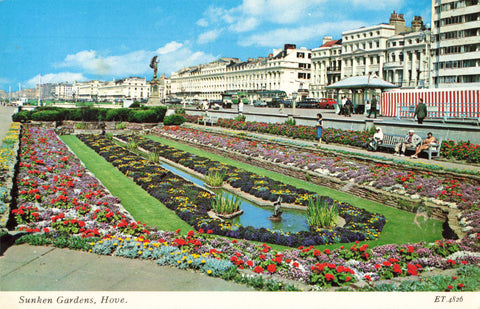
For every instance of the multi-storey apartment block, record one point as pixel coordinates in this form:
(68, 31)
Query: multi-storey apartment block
(287, 69)
(456, 47)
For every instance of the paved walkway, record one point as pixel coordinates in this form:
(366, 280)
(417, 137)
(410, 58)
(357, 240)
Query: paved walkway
(37, 268)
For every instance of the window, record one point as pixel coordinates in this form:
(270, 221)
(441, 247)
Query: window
(300, 55)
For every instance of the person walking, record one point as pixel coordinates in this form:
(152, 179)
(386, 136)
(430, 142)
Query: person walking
(410, 140)
(348, 108)
(319, 129)
(420, 111)
(373, 107)
(240, 107)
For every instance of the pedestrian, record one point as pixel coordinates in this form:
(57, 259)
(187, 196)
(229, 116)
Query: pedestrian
(373, 107)
(425, 144)
(240, 107)
(420, 111)
(410, 140)
(341, 110)
(282, 106)
(348, 108)
(319, 129)
(375, 140)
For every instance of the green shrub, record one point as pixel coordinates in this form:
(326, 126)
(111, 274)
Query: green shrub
(22, 116)
(320, 214)
(47, 115)
(291, 122)
(180, 111)
(174, 120)
(135, 104)
(160, 111)
(120, 114)
(142, 116)
(120, 126)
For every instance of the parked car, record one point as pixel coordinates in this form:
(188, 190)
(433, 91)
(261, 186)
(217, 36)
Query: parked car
(308, 103)
(260, 103)
(326, 103)
(288, 103)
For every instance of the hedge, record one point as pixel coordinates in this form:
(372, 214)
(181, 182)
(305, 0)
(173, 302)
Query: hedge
(140, 115)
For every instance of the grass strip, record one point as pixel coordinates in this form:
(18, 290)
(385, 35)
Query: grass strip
(134, 199)
(402, 227)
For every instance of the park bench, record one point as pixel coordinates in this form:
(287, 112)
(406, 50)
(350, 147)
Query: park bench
(390, 140)
(207, 119)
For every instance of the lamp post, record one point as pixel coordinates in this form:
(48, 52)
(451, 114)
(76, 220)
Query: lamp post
(426, 36)
(294, 99)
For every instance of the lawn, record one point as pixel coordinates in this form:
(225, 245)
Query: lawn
(400, 228)
(134, 199)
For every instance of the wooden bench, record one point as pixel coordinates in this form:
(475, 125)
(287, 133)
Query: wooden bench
(207, 119)
(390, 140)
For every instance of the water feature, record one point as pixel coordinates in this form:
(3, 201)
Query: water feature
(253, 215)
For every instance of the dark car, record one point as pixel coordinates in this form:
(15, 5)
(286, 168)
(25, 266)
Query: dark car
(288, 103)
(308, 103)
(326, 103)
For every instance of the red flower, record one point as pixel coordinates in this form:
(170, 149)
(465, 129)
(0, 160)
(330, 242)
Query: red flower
(460, 285)
(272, 268)
(250, 263)
(348, 279)
(177, 231)
(329, 277)
(258, 269)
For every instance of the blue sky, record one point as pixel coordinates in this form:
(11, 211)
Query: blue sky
(67, 40)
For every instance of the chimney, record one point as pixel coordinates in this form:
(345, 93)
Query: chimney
(417, 23)
(327, 39)
(398, 20)
(289, 46)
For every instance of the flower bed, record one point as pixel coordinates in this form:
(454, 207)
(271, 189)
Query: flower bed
(460, 150)
(57, 195)
(360, 224)
(8, 160)
(437, 189)
(48, 166)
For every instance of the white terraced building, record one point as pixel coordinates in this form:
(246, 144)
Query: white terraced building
(456, 47)
(393, 52)
(287, 69)
(134, 88)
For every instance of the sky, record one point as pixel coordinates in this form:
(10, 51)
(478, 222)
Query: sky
(80, 40)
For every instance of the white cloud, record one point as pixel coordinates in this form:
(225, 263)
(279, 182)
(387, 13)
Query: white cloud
(279, 37)
(202, 22)
(55, 78)
(172, 56)
(4, 80)
(209, 36)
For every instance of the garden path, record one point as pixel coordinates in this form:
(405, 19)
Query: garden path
(6, 113)
(39, 268)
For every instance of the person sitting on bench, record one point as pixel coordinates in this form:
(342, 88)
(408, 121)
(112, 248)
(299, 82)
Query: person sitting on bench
(410, 140)
(425, 144)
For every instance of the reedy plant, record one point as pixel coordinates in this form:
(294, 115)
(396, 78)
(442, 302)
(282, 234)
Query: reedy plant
(214, 178)
(320, 214)
(225, 206)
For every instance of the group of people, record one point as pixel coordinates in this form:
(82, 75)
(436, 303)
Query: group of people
(347, 107)
(409, 140)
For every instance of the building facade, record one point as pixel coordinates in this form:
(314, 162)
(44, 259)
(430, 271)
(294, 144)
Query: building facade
(287, 69)
(131, 88)
(456, 47)
(63, 92)
(394, 52)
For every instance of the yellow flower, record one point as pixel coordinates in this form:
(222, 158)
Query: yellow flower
(209, 271)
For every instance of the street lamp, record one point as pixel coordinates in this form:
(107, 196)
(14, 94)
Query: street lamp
(427, 37)
(294, 99)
